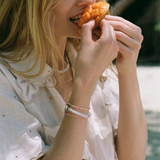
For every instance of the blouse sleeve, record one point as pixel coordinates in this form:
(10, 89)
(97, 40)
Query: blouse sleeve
(103, 123)
(20, 132)
(111, 99)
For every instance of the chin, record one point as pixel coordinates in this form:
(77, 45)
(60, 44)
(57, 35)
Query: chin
(77, 36)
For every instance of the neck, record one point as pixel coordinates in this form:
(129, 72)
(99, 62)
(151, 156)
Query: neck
(61, 42)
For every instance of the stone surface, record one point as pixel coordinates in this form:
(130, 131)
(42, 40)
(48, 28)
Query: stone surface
(149, 84)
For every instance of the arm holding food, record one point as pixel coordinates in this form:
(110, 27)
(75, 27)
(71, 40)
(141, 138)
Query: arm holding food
(69, 141)
(100, 48)
(132, 131)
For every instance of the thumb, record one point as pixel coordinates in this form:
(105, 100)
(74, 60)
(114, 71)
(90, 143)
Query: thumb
(87, 31)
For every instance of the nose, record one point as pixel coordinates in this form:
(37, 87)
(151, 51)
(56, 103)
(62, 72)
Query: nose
(84, 3)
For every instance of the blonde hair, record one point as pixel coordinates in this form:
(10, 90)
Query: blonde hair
(25, 25)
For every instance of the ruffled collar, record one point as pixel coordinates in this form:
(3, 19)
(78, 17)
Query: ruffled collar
(29, 62)
(31, 86)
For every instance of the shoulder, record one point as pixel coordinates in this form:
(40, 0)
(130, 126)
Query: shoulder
(6, 89)
(18, 127)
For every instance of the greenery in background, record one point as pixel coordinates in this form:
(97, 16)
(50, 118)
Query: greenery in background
(153, 145)
(146, 17)
(157, 27)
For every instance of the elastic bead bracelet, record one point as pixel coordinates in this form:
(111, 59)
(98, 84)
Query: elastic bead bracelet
(79, 114)
(86, 109)
(73, 115)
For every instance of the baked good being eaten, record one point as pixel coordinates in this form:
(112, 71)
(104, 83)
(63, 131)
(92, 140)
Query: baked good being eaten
(95, 11)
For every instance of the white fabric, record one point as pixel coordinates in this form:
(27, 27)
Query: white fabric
(31, 112)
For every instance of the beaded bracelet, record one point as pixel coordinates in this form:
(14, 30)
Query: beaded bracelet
(86, 109)
(76, 113)
(72, 115)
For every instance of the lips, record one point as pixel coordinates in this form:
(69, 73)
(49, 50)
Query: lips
(76, 18)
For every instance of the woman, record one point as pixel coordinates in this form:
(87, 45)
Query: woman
(45, 64)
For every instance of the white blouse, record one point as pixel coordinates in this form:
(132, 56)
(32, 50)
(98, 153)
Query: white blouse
(31, 112)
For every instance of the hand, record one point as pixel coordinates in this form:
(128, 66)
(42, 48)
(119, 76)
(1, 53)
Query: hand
(95, 56)
(129, 39)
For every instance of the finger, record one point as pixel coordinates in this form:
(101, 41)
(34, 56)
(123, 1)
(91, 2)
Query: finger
(120, 19)
(127, 41)
(125, 51)
(113, 33)
(119, 26)
(114, 38)
(86, 35)
(105, 29)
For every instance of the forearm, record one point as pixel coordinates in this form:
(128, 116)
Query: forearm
(70, 139)
(132, 131)
(69, 142)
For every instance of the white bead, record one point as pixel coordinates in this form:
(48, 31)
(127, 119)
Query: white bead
(77, 113)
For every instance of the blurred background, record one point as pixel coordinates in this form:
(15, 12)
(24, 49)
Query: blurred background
(146, 14)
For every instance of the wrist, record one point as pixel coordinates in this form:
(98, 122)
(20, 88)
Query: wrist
(81, 93)
(128, 72)
(129, 78)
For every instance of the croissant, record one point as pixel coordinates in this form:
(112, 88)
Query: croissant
(95, 11)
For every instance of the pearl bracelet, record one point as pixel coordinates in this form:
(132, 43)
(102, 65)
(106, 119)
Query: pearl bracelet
(86, 109)
(81, 115)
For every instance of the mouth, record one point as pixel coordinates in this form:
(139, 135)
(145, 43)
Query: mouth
(75, 19)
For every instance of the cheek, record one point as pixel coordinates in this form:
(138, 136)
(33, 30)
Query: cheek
(60, 26)
(57, 21)
(60, 19)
